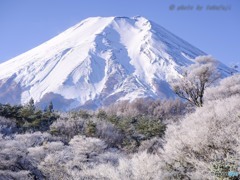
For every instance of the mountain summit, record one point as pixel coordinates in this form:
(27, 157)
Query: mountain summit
(97, 62)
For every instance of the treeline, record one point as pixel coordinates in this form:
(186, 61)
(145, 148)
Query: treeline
(124, 125)
(28, 117)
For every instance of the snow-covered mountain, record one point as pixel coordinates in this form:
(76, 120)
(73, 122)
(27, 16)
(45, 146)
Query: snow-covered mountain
(97, 62)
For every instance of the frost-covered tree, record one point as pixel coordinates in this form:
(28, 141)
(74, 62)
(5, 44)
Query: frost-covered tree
(161, 109)
(14, 161)
(70, 162)
(227, 87)
(201, 138)
(140, 166)
(7, 126)
(94, 127)
(196, 78)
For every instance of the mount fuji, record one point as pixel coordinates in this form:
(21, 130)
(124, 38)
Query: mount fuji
(97, 62)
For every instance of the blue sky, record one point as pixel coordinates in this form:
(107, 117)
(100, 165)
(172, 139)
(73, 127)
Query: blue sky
(24, 24)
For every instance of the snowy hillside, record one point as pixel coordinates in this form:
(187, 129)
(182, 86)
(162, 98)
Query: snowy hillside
(97, 62)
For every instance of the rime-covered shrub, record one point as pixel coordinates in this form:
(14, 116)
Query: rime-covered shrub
(11, 175)
(162, 109)
(109, 133)
(167, 109)
(212, 131)
(139, 166)
(81, 154)
(14, 160)
(228, 87)
(67, 128)
(7, 126)
(151, 146)
(128, 109)
(37, 153)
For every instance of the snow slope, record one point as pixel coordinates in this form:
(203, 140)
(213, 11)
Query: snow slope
(97, 62)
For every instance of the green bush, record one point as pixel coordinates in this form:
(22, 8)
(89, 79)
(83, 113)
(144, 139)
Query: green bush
(28, 117)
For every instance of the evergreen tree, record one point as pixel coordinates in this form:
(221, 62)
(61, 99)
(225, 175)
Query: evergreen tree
(50, 107)
(31, 106)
